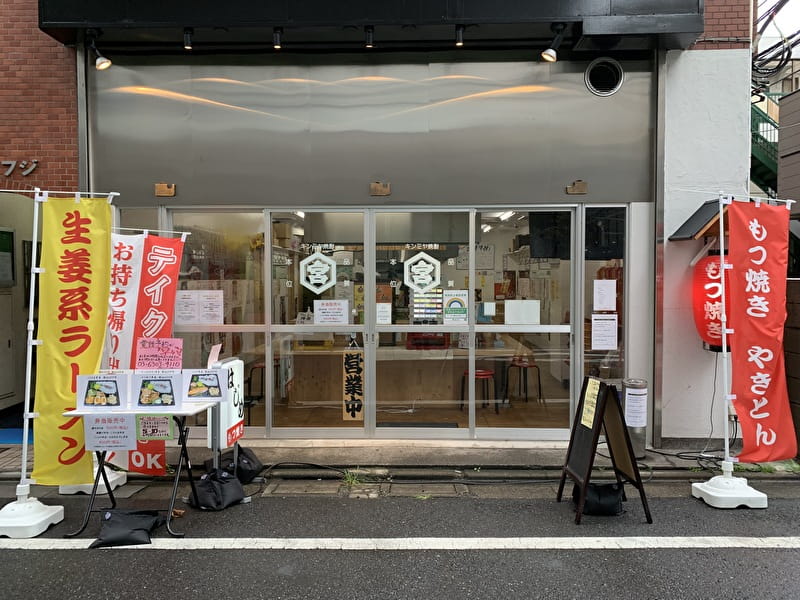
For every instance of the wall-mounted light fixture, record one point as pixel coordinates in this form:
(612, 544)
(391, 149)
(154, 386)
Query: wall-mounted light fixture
(551, 54)
(486, 228)
(459, 36)
(187, 38)
(101, 63)
(276, 37)
(369, 34)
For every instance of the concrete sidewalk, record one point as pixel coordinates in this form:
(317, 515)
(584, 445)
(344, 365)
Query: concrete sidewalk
(432, 460)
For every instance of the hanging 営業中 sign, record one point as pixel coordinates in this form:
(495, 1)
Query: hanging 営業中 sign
(353, 384)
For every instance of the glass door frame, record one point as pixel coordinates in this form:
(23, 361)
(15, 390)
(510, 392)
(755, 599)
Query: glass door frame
(354, 432)
(374, 331)
(371, 331)
(575, 351)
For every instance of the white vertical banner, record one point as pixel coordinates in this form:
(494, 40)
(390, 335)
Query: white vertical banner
(126, 271)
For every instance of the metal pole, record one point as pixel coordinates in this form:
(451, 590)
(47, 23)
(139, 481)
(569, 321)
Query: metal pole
(35, 270)
(727, 465)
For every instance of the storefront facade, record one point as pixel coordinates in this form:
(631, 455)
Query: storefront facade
(531, 197)
(485, 185)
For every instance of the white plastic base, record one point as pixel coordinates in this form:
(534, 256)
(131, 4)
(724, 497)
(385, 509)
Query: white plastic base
(27, 518)
(725, 491)
(115, 479)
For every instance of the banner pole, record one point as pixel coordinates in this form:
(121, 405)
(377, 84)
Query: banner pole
(727, 464)
(727, 491)
(27, 517)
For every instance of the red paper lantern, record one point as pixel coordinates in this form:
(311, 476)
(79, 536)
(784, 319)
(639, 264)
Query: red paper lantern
(707, 299)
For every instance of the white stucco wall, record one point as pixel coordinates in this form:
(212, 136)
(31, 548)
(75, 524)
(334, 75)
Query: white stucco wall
(706, 149)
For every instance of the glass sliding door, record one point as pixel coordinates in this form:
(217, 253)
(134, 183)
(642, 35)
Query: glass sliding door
(524, 271)
(317, 368)
(604, 269)
(421, 320)
(222, 274)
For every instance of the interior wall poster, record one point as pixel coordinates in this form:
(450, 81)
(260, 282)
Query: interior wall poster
(758, 253)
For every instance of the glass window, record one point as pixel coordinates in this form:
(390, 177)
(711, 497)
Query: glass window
(530, 373)
(420, 270)
(318, 379)
(247, 345)
(421, 381)
(225, 251)
(522, 263)
(603, 339)
(317, 268)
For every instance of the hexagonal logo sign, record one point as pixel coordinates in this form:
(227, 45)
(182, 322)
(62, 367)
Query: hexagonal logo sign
(422, 273)
(318, 272)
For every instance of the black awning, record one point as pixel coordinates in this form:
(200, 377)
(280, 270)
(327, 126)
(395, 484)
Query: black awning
(704, 222)
(593, 25)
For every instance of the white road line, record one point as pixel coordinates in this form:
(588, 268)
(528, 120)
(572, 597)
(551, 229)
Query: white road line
(424, 543)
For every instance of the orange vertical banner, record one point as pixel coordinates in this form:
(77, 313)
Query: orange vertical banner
(758, 254)
(73, 300)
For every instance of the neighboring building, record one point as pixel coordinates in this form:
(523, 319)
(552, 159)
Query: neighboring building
(427, 176)
(789, 187)
(39, 103)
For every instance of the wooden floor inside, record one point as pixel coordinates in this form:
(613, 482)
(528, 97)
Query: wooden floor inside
(550, 412)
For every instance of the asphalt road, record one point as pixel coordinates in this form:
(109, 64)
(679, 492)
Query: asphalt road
(520, 516)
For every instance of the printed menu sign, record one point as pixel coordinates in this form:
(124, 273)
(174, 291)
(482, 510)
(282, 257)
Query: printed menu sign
(154, 427)
(109, 432)
(156, 389)
(102, 392)
(203, 384)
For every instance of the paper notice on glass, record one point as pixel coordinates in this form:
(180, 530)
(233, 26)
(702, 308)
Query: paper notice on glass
(185, 307)
(199, 307)
(522, 312)
(331, 311)
(604, 332)
(383, 313)
(605, 294)
(210, 307)
(455, 306)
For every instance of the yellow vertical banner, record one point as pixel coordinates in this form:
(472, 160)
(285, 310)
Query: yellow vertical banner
(73, 301)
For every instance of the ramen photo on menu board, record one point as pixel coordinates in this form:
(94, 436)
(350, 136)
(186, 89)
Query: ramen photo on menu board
(156, 392)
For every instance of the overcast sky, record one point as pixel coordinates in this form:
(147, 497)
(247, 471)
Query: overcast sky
(788, 19)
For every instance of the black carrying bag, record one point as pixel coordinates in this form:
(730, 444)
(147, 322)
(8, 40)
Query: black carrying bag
(247, 467)
(126, 527)
(602, 499)
(216, 490)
